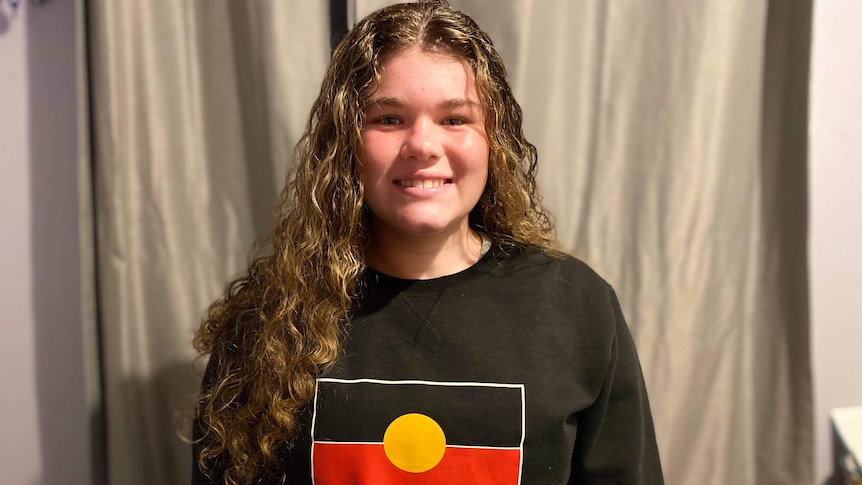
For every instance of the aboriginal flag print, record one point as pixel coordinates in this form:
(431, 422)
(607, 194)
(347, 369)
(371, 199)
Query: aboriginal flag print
(369, 431)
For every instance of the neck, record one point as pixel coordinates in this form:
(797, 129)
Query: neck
(423, 257)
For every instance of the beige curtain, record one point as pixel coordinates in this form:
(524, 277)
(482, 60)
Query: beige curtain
(671, 140)
(196, 108)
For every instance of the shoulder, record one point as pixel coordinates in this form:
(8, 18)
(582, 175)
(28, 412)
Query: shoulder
(562, 296)
(560, 285)
(550, 268)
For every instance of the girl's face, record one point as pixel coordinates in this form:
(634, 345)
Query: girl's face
(425, 159)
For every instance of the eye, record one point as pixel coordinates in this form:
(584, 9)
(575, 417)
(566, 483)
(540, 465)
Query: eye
(453, 121)
(388, 120)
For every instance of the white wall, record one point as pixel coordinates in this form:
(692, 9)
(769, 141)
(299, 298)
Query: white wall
(44, 437)
(836, 213)
(20, 459)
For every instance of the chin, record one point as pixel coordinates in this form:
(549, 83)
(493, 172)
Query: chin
(426, 226)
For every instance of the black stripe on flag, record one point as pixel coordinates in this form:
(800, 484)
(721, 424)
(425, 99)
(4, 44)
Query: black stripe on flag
(470, 414)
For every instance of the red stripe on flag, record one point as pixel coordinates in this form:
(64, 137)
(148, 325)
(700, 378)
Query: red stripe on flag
(340, 463)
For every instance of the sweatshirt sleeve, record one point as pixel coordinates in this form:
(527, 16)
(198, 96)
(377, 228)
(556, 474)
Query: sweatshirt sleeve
(616, 441)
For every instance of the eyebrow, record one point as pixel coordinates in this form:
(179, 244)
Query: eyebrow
(446, 104)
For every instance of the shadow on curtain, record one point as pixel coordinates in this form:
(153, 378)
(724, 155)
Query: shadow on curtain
(672, 152)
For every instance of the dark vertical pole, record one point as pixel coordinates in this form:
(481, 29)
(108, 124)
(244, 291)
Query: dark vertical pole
(98, 417)
(338, 26)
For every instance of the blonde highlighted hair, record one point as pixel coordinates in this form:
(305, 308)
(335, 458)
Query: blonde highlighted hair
(278, 326)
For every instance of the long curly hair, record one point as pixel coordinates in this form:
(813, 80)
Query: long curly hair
(278, 327)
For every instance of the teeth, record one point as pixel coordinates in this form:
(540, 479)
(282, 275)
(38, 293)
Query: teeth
(422, 184)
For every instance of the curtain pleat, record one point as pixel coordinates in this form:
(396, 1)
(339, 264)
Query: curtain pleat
(90, 329)
(196, 109)
(671, 141)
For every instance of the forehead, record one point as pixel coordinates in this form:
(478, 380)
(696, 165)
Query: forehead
(418, 71)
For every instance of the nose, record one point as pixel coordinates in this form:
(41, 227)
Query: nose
(422, 141)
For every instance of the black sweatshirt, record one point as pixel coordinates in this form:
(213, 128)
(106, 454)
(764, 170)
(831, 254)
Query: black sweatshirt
(517, 370)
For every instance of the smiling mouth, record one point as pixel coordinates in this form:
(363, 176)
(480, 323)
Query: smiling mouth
(423, 184)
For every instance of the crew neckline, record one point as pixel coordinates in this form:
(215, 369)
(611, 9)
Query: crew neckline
(378, 281)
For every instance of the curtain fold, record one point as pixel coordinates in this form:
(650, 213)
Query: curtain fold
(196, 109)
(91, 335)
(672, 153)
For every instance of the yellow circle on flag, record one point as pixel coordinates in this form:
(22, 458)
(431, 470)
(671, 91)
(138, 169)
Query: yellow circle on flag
(414, 443)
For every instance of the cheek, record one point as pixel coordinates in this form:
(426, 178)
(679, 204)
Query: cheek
(371, 173)
(486, 169)
(365, 161)
(362, 153)
(372, 176)
(373, 154)
(483, 153)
